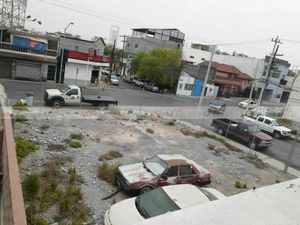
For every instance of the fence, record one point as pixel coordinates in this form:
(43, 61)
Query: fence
(12, 210)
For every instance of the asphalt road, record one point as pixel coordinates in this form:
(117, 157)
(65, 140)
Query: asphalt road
(128, 95)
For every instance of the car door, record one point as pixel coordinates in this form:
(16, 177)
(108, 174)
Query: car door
(72, 97)
(260, 122)
(187, 175)
(169, 177)
(242, 132)
(268, 126)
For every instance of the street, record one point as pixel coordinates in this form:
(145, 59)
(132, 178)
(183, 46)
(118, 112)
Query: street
(130, 96)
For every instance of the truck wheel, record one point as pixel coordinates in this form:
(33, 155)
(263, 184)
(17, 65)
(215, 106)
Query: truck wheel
(145, 189)
(252, 144)
(277, 134)
(220, 131)
(57, 103)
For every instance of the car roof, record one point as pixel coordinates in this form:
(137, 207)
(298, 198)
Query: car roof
(73, 86)
(187, 195)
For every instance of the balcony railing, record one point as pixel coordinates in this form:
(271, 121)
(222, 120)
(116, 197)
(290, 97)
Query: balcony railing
(9, 46)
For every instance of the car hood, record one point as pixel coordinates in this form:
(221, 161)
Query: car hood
(53, 92)
(126, 207)
(282, 128)
(135, 173)
(263, 136)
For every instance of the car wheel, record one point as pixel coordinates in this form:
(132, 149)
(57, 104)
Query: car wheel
(277, 135)
(220, 131)
(252, 144)
(145, 189)
(57, 103)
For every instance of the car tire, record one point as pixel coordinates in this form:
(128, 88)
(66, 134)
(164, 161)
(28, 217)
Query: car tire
(57, 103)
(144, 190)
(220, 131)
(277, 134)
(252, 144)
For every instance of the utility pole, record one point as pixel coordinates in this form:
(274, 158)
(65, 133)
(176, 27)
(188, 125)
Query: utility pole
(271, 62)
(112, 59)
(207, 75)
(124, 42)
(291, 153)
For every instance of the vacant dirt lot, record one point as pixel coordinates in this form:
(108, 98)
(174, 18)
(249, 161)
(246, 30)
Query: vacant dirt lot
(128, 133)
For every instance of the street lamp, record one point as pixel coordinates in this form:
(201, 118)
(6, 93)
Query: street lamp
(63, 52)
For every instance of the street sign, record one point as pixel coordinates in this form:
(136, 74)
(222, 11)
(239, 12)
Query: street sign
(91, 52)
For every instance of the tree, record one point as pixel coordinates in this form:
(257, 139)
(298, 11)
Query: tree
(160, 66)
(291, 73)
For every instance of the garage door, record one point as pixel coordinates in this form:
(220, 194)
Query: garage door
(28, 71)
(5, 69)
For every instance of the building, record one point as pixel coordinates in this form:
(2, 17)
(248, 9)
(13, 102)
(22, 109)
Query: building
(12, 13)
(81, 61)
(293, 105)
(27, 55)
(208, 48)
(145, 40)
(114, 34)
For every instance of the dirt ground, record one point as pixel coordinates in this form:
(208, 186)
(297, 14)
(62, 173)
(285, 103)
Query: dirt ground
(106, 130)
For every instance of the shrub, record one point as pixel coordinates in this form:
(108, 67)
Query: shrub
(285, 122)
(108, 172)
(57, 147)
(20, 106)
(77, 136)
(44, 127)
(186, 132)
(38, 220)
(31, 186)
(171, 123)
(21, 118)
(150, 131)
(75, 144)
(240, 185)
(24, 148)
(110, 156)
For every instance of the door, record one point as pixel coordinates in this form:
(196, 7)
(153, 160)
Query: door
(72, 97)
(268, 126)
(170, 177)
(243, 132)
(28, 71)
(187, 175)
(5, 69)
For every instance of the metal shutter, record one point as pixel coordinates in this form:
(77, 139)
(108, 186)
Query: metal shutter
(29, 71)
(5, 69)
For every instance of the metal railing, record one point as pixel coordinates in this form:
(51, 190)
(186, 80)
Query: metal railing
(9, 46)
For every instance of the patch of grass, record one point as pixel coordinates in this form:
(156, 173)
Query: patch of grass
(23, 148)
(21, 118)
(186, 132)
(171, 123)
(20, 106)
(38, 220)
(108, 172)
(31, 186)
(110, 155)
(57, 147)
(44, 127)
(150, 131)
(77, 136)
(52, 170)
(75, 144)
(251, 158)
(240, 185)
(285, 122)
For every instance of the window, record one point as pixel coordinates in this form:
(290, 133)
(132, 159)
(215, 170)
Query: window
(76, 48)
(172, 171)
(276, 74)
(73, 92)
(136, 45)
(261, 119)
(186, 170)
(192, 57)
(230, 76)
(243, 127)
(268, 122)
(189, 87)
(128, 45)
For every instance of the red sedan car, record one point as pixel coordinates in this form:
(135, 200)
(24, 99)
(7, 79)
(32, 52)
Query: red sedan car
(161, 170)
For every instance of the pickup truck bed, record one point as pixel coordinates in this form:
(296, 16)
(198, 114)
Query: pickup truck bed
(99, 100)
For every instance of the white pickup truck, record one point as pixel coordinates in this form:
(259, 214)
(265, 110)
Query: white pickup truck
(269, 125)
(72, 95)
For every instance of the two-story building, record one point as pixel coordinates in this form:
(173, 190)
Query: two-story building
(26, 55)
(81, 60)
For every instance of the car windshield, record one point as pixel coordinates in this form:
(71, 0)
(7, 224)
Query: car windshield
(253, 129)
(113, 77)
(155, 203)
(155, 165)
(65, 89)
(217, 102)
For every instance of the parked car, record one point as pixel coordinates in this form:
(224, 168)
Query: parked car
(217, 106)
(270, 125)
(126, 79)
(105, 71)
(138, 82)
(244, 131)
(151, 87)
(114, 80)
(250, 104)
(159, 201)
(161, 170)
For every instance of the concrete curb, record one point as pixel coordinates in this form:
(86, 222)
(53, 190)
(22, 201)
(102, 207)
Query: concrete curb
(266, 159)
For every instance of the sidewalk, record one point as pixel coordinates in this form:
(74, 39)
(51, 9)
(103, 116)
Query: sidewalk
(266, 159)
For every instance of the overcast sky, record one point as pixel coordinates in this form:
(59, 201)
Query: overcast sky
(248, 25)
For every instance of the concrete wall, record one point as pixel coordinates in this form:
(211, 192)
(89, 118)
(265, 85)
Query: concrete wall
(12, 210)
(83, 77)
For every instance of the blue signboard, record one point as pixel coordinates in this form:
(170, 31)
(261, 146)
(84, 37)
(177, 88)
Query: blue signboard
(27, 43)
